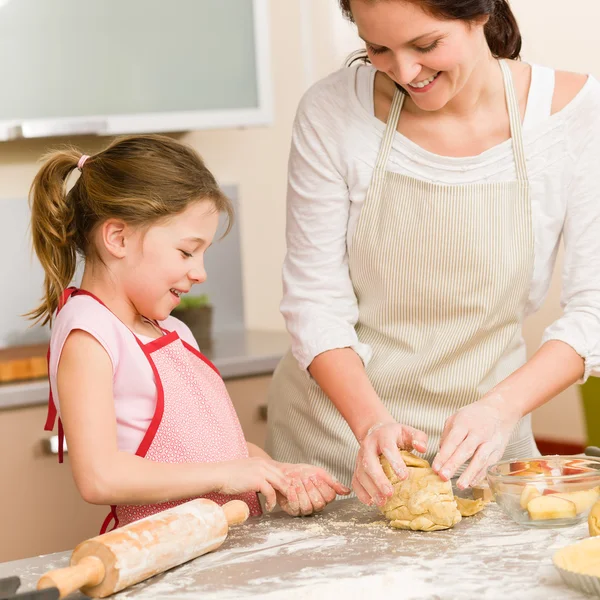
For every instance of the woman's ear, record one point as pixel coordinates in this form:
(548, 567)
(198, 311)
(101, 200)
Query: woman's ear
(113, 235)
(482, 21)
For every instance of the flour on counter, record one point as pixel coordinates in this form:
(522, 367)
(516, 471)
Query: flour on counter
(347, 553)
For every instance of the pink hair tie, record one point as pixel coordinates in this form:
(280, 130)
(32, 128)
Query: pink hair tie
(81, 161)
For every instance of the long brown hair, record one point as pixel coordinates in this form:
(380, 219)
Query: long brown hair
(138, 179)
(501, 31)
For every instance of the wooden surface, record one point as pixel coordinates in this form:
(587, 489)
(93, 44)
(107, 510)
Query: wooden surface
(23, 363)
(349, 552)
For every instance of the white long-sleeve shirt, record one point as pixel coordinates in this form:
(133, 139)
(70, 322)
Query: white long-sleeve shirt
(335, 141)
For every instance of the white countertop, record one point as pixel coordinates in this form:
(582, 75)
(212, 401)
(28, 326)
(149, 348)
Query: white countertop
(348, 552)
(235, 354)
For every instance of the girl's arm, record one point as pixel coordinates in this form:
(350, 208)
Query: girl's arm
(105, 475)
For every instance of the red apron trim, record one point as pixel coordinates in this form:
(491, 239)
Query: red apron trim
(201, 356)
(112, 516)
(65, 296)
(52, 412)
(147, 349)
(160, 403)
(61, 441)
(51, 416)
(158, 343)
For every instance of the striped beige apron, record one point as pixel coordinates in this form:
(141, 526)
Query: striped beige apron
(441, 274)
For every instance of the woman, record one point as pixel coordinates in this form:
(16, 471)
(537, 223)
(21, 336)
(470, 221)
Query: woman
(427, 195)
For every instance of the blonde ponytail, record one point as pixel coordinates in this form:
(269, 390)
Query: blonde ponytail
(138, 179)
(53, 228)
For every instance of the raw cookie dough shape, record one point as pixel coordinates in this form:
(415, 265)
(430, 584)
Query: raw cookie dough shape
(468, 507)
(594, 520)
(423, 502)
(582, 557)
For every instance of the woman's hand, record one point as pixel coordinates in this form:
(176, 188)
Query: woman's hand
(370, 482)
(479, 432)
(255, 474)
(310, 489)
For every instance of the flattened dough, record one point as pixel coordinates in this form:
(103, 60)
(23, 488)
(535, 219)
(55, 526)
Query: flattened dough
(468, 507)
(423, 502)
(581, 557)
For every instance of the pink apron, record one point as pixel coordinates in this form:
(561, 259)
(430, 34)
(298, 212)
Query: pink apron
(194, 420)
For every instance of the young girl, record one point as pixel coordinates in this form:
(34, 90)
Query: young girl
(147, 416)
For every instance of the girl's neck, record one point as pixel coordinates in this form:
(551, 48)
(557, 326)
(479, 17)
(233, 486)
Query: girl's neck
(96, 282)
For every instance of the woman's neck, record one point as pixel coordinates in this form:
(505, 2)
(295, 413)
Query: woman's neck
(480, 92)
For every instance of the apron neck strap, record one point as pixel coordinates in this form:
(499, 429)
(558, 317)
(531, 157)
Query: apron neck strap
(514, 115)
(390, 130)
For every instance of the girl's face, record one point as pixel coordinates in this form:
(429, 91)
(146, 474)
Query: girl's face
(166, 260)
(432, 59)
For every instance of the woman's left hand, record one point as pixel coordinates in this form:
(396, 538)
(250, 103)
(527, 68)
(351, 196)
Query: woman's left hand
(310, 489)
(479, 432)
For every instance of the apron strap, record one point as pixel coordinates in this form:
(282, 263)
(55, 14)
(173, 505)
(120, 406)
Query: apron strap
(52, 412)
(390, 131)
(111, 516)
(378, 177)
(516, 128)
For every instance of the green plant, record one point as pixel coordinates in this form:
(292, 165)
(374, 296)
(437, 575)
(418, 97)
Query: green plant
(193, 302)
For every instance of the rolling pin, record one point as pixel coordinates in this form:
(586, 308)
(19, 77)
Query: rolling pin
(113, 561)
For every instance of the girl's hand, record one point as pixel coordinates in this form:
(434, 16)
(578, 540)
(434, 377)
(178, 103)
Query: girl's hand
(310, 489)
(369, 481)
(479, 432)
(254, 474)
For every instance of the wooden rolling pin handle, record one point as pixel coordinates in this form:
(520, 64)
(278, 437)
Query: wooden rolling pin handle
(236, 512)
(88, 571)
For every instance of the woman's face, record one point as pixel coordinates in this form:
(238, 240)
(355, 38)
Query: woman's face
(431, 58)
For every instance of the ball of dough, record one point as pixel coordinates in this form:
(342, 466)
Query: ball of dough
(423, 502)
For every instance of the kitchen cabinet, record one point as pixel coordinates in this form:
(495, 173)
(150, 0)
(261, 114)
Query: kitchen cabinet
(41, 509)
(249, 397)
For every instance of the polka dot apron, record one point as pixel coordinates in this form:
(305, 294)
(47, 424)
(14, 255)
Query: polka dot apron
(194, 420)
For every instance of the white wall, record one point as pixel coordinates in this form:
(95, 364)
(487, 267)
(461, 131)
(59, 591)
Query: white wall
(564, 39)
(309, 40)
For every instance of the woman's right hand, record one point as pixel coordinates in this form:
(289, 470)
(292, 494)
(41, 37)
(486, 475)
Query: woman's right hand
(255, 474)
(370, 482)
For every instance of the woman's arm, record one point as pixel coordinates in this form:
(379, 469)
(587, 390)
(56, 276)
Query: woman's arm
(341, 375)
(570, 348)
(482, 430)
(319, 304)
(254, 450)
(104, 475)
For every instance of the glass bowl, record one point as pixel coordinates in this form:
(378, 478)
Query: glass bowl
(546, 491)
